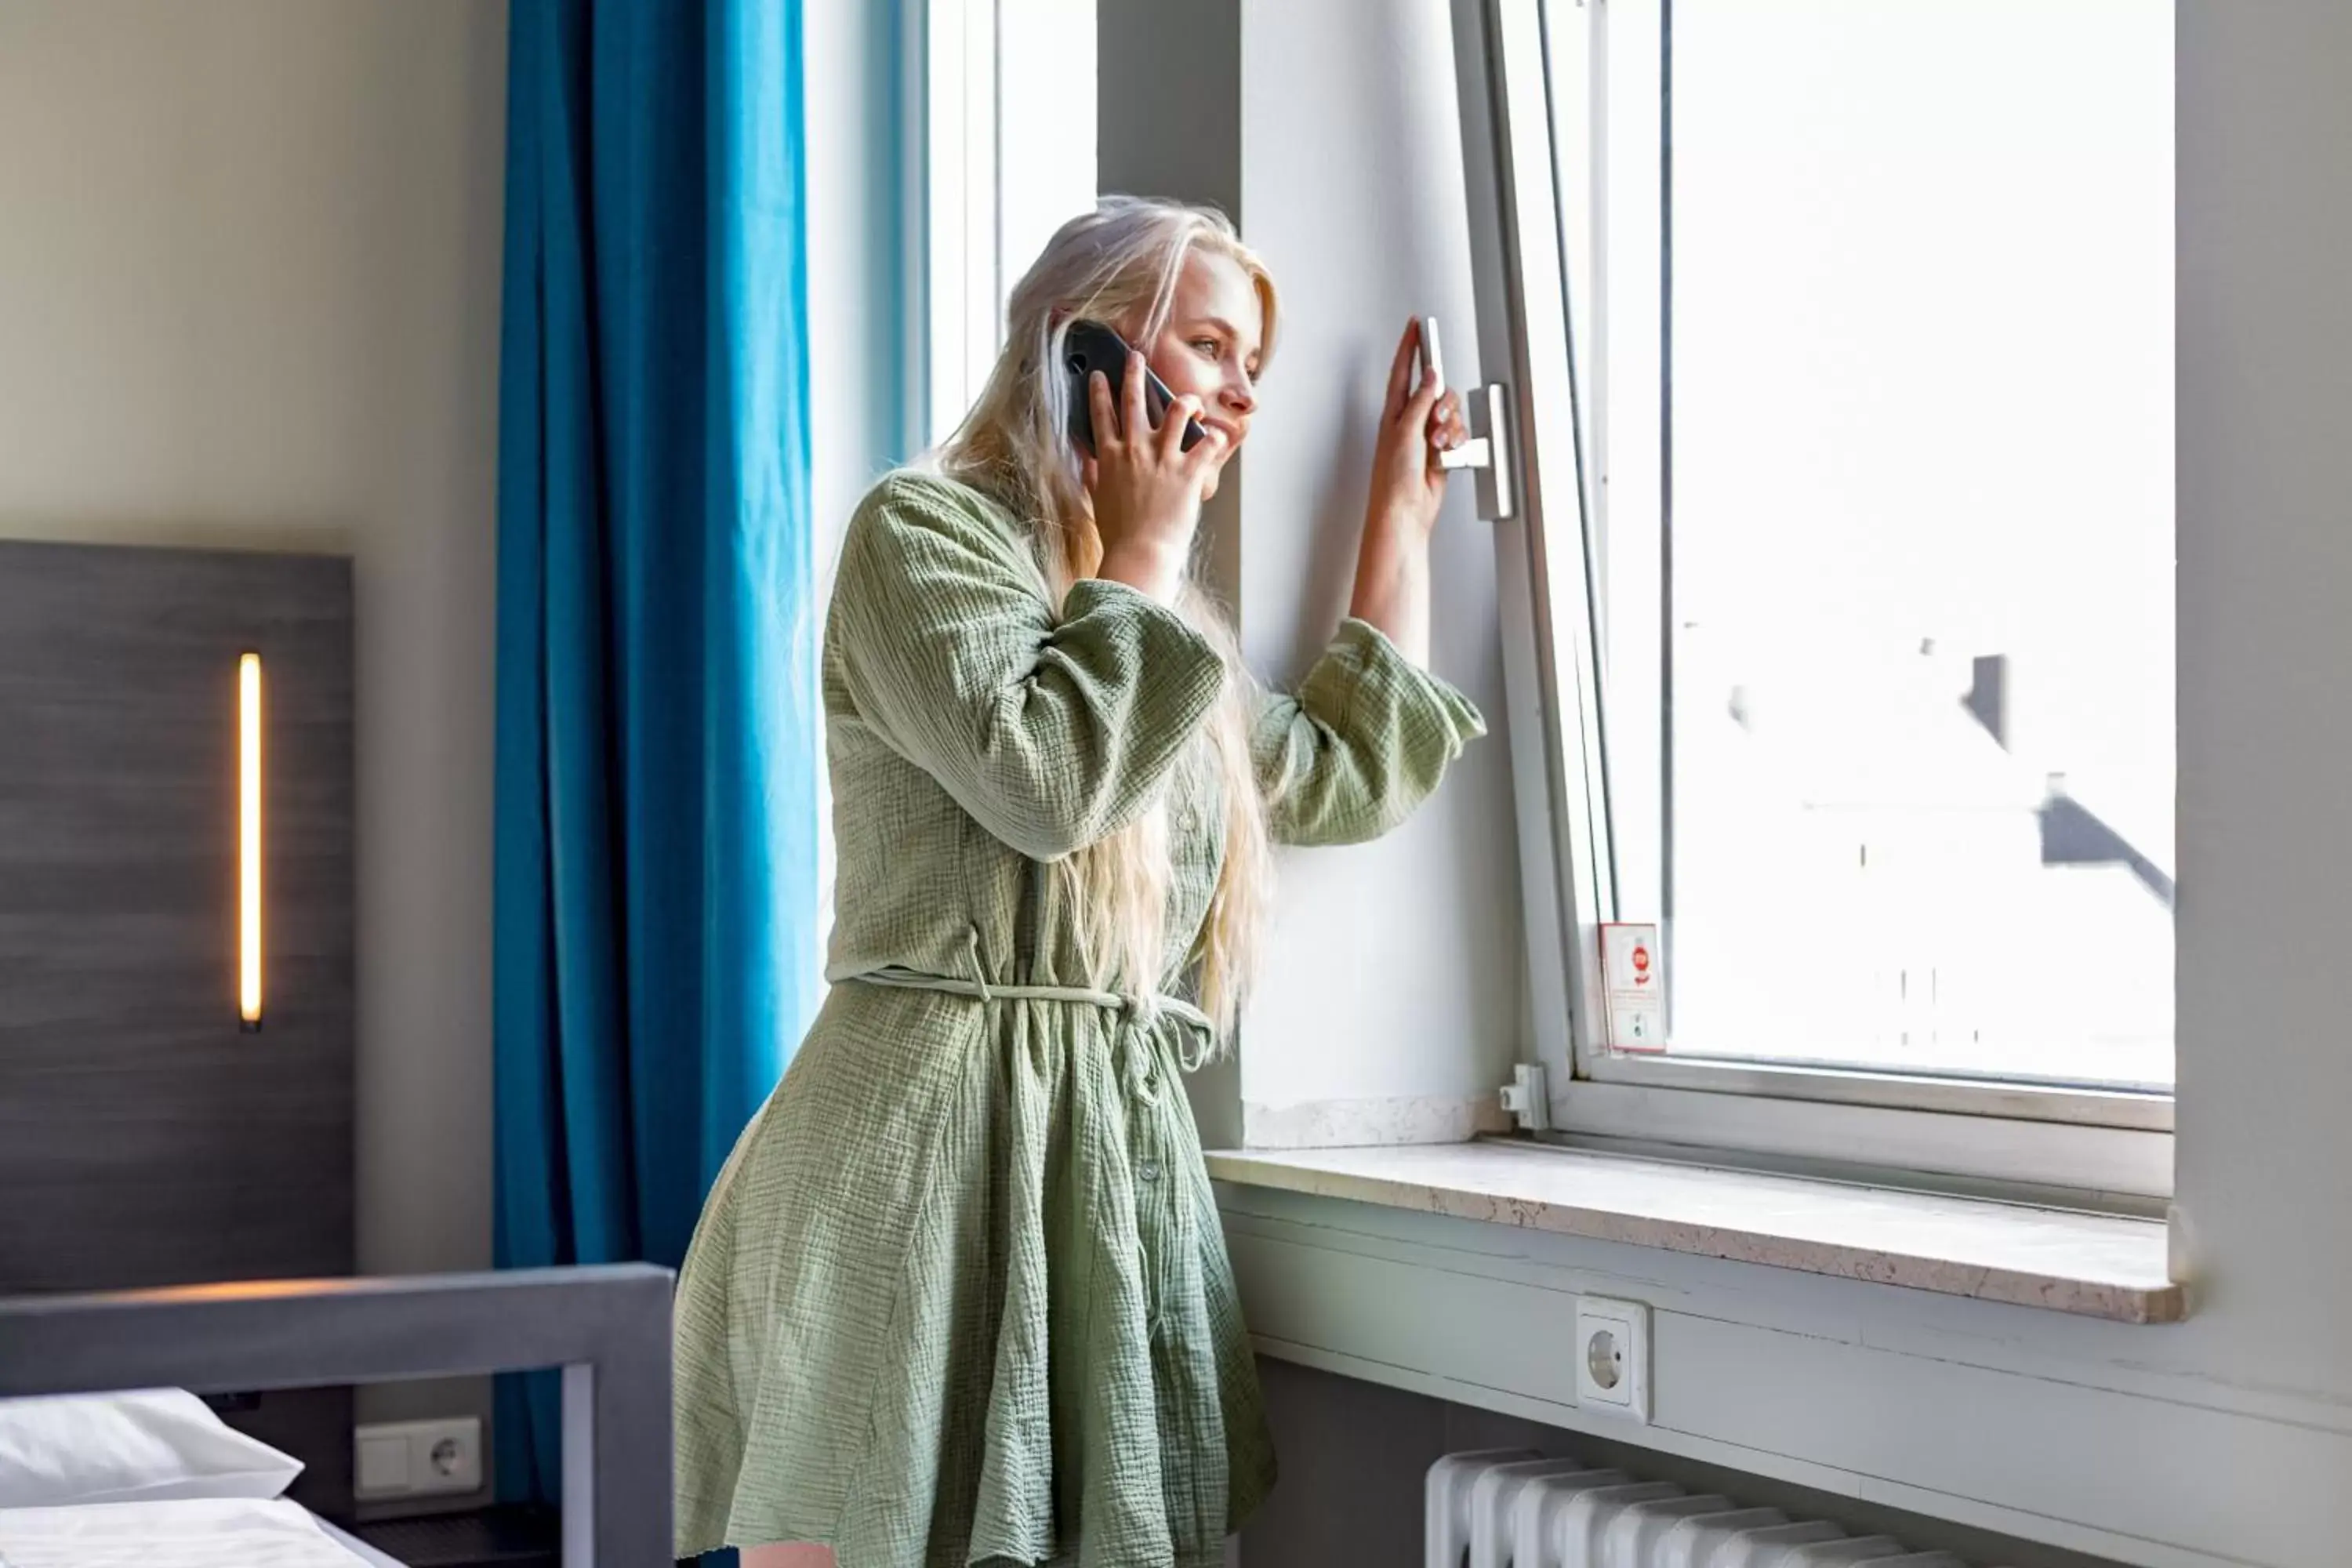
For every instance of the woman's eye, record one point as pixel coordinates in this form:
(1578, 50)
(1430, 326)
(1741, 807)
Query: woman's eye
(1208, 346)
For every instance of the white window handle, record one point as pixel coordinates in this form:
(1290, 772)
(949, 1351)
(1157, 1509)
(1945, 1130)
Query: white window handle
(1488, 455)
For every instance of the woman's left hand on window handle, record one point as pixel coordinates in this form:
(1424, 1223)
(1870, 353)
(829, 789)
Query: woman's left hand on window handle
(1417, 423)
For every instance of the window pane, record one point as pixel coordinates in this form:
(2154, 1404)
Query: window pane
(1046, 127)
(1918, 636)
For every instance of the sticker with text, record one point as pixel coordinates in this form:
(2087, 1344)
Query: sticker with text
(1634, 985)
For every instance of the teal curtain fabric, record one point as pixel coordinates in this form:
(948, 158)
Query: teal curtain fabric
(657, 728)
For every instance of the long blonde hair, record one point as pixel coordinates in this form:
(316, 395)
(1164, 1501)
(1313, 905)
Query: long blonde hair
(1119, 264)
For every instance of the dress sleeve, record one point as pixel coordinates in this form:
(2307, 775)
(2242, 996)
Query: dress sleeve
(1050, 729)
(1363, 742)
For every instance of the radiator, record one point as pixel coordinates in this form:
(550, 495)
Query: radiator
(1511, 1505)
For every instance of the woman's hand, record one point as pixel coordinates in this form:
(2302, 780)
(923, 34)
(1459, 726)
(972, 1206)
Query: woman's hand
(1146, 488)
(1417, 423)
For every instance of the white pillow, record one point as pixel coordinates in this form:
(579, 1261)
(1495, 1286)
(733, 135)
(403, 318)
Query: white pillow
(146, 1445)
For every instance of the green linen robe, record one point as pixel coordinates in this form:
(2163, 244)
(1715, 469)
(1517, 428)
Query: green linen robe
(960, 1295)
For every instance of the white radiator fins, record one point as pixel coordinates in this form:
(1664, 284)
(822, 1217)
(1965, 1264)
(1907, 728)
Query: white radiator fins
(1769, 1547)
(1506, 1507)
(1852, 1553)
(1695, 1542)
(1494, 1500)
(1633, 1538)
(1561, 1519)
(1445, 1502)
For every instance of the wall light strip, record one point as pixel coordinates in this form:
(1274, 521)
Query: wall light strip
(249, 839)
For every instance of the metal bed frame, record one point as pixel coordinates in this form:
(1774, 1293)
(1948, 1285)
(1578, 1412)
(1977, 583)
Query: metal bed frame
(608, 1328)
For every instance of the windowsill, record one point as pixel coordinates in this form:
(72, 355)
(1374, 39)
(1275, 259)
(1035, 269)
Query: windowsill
(2088, 1265)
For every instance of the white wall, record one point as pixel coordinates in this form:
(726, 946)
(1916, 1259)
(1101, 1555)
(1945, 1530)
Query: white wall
(1389, 1004)
(249, 298)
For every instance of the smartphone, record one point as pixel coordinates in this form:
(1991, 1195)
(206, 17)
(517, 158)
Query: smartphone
(1088, 347)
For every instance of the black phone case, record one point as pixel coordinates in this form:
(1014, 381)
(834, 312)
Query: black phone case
(1090, 346)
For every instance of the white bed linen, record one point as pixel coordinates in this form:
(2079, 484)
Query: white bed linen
(372, 1556)
(205, 1532)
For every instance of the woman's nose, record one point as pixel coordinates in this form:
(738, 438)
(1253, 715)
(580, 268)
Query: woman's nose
(1239, 396)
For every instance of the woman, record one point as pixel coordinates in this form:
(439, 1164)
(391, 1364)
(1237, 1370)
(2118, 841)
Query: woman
(961, 1294)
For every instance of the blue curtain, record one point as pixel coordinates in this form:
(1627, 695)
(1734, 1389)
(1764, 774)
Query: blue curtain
(657, 725)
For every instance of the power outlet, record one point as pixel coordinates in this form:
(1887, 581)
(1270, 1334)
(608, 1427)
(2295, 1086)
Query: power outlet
(417, 1458)
(1612, 1357)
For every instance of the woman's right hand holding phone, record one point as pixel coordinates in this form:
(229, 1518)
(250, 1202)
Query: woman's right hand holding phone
(1147, 488)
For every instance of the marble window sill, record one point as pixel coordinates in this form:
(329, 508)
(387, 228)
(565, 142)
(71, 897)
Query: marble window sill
(2089, 1265)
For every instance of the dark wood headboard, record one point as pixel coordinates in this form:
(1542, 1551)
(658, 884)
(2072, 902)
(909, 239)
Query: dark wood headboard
(147, 1139)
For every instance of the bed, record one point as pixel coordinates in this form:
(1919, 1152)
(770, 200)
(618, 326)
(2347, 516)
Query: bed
(607, 1328)
(193, 1533)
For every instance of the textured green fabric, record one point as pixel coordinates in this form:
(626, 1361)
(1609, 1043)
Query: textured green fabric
(960, 1295)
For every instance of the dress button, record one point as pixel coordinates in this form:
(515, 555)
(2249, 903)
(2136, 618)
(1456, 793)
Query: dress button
(1149, 1170)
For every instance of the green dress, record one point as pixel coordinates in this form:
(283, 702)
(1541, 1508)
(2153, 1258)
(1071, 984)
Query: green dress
(960, 1295)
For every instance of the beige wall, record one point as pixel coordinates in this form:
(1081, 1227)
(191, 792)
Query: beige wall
(249, 296)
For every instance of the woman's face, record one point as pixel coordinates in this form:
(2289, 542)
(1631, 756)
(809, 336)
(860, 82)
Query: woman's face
(1212, 345)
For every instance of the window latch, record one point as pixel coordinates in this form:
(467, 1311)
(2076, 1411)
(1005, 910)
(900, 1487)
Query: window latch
(1488, 453)
(1528, 1098)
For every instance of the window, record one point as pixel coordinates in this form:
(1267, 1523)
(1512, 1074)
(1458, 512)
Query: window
(995, 106)
(1009, 157)
(1840, 334)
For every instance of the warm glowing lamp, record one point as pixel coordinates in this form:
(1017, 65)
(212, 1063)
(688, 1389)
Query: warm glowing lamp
(248, 840)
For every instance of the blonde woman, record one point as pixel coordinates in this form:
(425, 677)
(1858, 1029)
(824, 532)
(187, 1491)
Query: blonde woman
(960, 1295)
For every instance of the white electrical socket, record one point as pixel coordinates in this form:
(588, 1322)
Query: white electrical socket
(417, 1458)
(1612, 1357)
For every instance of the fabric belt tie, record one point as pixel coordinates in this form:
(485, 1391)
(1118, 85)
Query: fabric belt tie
(1183, 1028)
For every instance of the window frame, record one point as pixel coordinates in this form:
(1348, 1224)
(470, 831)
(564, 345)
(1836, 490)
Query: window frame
(962, 289)
(992, 177)
(1539, 240)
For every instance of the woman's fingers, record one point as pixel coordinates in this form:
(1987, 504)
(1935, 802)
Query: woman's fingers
(1180, 413)
(1401, 371)
(1131, 413)
(1447, 429)
(1418, 408)
(1208, 454)
(1106, 424)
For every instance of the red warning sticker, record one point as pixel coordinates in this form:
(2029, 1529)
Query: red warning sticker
(1632, 982)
